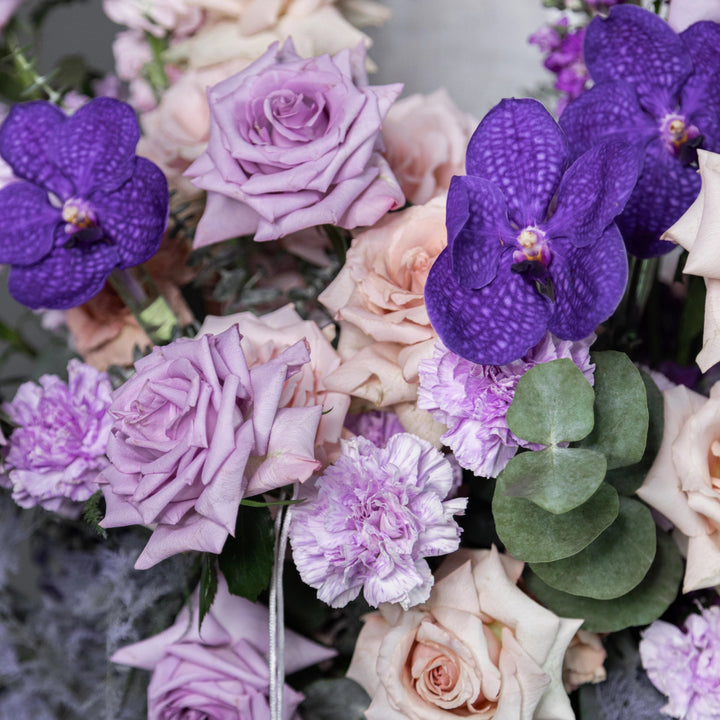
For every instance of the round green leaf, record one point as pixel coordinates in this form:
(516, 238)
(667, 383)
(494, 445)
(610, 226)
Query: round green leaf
(614, 563)
(621, 412)
(334, 699)
(553, 403)
(535, 535)
(556, 479)
(643, 604)
(627, 480)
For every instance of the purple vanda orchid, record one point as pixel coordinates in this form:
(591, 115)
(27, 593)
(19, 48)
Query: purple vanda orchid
(84, 203)
(532, 245)
(661, 92)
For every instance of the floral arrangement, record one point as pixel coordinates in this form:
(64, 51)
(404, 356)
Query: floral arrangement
(347, 405)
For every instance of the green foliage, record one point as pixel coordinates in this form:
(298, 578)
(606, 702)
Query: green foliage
(208, 586)
(93, 515)
(643, 604)
(246, 560)
(535, 535)
(337, 699)
(612, 564)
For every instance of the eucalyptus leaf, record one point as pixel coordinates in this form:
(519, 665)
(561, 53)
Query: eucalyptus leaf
(556, 479)
(643, 604)
(336, 699)
(628, 479)
(621, 411)
(611, 565)
(553, 403)
(535, 535)
(246, 560)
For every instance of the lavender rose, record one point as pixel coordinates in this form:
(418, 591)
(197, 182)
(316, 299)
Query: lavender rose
(294, 143)
(194, 432)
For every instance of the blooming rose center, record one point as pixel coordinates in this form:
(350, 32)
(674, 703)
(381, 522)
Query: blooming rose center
(675, 132)
(78, 215)
(714, 465)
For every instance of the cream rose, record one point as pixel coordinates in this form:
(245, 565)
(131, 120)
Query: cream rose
(425, 141)
(479, 648)
(584, 661)
(684, 481)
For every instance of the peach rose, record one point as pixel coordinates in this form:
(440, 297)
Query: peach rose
(479, 648)
(584, 661)
(426, 137)
(684, 481)
(697, 231)
(378, 299)
(265, 337)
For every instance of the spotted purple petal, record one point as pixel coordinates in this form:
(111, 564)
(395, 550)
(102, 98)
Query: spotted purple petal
(24, 138)
(27, 224)
(702, 42)
(610, 111)
(519, 147)
(135, 215)
(664, 191)
(65, 278)
(95, 147)
(636, 46)
(491, 326)
(588, 282)
(593, 191)
(478, 229)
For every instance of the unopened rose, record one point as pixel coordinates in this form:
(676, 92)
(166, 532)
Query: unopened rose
(584, 661)
(294, 143)
(194, 431)
(684, 481)
(425, 141)
(479, 648)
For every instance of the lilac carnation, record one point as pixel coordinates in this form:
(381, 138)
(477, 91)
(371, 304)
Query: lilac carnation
(377, 426)
(472, 400)
(58, 449)
(685, 666)
(371, 519)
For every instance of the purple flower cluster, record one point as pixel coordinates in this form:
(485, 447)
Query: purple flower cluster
(685, 665)
(58, 448)
(532, 243)
(472, 400)
(84, 203)
(562, 48)
(372, 518)
(660, 92)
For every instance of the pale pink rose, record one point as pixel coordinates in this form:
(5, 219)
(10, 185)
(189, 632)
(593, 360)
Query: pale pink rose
(265, 337)
(584, 661)
(684, 13)
(697, 231)
(684, 481)
(378, 299)
(131, 52)
(425, 141)
(7, 8)
(221, 671)
(479, 648)
(158, 17)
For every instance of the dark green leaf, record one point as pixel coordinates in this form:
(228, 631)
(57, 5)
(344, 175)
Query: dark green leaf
(93, 515)
(621, 412)
(611, 565)
(337, 699)
(553, 403)
(208, 585)
(556, 479)
(246, 560)
(628, 479)
(643, 604)
(535, 535)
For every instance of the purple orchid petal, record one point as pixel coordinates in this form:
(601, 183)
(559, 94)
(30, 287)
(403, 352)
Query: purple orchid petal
(664, 191)
(701, 106)
(65, 278)
(519, 147)
(478, 229)
(610, 111)
(134, 216)
(636, 46)
(589, 283)
(95, 147)
(593, 191)
(27, 224)
(702, 42)
(491, 326)
(24, 138)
